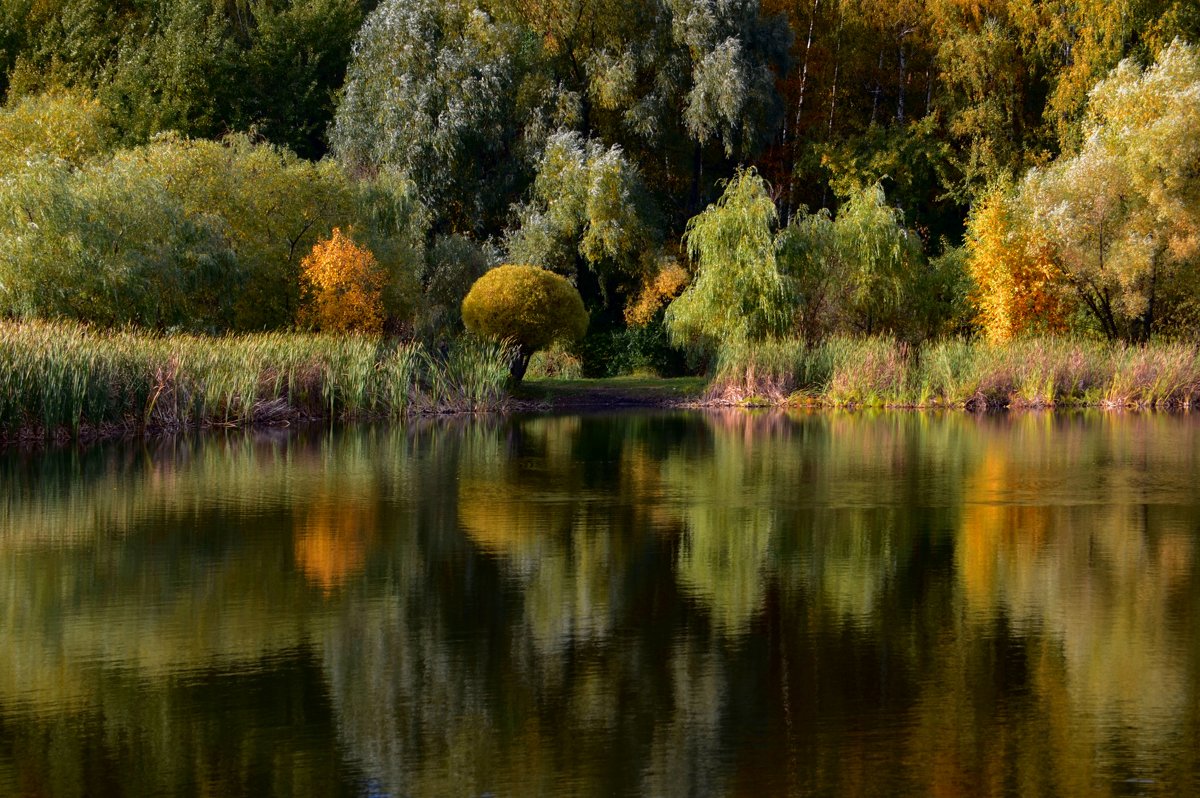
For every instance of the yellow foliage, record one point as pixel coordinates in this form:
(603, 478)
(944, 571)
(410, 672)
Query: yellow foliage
(344, 286)
(656, 293)
(1016, 278)
(64, 125)
(527, 304)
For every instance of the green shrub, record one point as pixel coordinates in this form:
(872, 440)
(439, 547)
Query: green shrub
(192, 234)
(528, 306)
(633, 350)
(554, 363)
(67, 126)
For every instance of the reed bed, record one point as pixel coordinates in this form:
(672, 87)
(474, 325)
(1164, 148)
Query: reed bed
(1035, 372)
(62, 379)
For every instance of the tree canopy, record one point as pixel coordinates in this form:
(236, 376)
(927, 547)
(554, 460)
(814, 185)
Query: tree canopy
(526, 305)
(915, 168)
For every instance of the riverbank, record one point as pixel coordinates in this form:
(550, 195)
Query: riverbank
(613, 392)
(884, 373)
(1029, 373)
(72, 382)
(68, 381)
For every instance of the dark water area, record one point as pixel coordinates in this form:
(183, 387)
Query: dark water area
(661, 604)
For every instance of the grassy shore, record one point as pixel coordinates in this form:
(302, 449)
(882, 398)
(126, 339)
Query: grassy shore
(72, 381)
(66, 380)
(612, 392)
(880, 372)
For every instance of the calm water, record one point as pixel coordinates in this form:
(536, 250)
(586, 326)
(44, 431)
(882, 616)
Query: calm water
(636, 604)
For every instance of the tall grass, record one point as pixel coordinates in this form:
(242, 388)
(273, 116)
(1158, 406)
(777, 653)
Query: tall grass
(1035, 372)
(63, 379)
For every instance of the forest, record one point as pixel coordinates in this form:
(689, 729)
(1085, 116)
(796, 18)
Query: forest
(714, 177)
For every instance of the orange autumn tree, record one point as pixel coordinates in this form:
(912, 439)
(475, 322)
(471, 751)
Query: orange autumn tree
(1016, 281)
(344, 286)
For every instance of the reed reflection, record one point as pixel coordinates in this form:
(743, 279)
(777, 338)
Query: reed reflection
(631, 604)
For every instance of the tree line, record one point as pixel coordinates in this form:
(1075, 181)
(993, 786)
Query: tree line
(921, 168)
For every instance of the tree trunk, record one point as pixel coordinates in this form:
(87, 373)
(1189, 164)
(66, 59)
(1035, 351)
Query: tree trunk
(877, 90)
(519, 364)
(837, 65)
(697, 174)
(812, 19)
(1148, 316)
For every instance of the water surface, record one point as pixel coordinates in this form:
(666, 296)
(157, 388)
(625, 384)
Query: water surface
(629, 604)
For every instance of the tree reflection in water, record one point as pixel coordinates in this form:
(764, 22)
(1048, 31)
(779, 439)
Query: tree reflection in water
(660, 604)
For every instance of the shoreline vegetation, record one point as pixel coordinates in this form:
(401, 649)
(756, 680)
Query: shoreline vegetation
(956, 373)
(66, 381)
(70, 381)
(813, 206)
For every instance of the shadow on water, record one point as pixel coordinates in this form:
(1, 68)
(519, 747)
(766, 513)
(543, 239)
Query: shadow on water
(643, 603)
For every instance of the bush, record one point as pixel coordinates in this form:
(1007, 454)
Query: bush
(528, 306)
(452, 265)
(344, 286)
(72, 127)
(192, 234)
(634, 350)
(554, 363)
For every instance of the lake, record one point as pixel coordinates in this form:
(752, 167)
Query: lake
(637, 603)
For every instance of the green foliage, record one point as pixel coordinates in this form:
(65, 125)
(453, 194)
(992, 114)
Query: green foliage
(452, 265)
(737, 293)
(733, 54)
(526, 305)
(198, 67)
(430, 95)
(111, 244)
(554, 363)
(289, 68)
(864, 272)
(168, 79)
(464, 96)
(644, 349)
(881, 255)
(158, 235)
(988, 82)
(589, 203)
(911, 160)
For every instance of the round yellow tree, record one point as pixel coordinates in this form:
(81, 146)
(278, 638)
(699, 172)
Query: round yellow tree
(526, 305)
(344, 286)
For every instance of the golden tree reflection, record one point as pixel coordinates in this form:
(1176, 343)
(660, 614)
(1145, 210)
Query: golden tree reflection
(1086, 584)
(700, 604)
(332, 540)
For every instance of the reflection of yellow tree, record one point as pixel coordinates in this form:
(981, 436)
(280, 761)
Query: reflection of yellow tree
(992, 523)
(537, 520)
(509, 519)
(332, 540)
(1087, 585)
